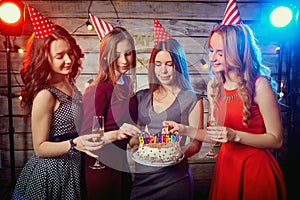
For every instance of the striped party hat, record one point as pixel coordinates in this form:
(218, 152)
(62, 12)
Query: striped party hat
(232, 14)
(101, 27)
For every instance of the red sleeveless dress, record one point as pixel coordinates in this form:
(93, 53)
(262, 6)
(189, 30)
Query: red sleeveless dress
(241, 171)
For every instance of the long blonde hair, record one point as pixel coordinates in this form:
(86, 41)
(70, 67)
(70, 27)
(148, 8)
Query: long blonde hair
(242, 54)
(108, 57)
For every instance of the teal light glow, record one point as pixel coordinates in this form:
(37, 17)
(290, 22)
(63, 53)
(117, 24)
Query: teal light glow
(281, 16)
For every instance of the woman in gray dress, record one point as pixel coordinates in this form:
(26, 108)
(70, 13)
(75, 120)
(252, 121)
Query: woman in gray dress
(170, 97)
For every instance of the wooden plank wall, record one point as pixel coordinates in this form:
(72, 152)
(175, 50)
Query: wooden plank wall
(187, 21)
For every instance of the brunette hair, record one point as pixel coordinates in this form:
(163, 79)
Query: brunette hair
(36, 67)
(179, 61)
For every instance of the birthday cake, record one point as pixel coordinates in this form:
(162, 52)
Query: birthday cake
(160, 152)
(160, 147)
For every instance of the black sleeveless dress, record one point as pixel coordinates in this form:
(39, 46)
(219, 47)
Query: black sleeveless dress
(55, 177)
(170, 182)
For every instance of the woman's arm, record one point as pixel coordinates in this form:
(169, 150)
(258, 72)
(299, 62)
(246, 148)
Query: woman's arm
(196, 121)
(44, 105)
(268, 106)
(196, 124)
(125, 131)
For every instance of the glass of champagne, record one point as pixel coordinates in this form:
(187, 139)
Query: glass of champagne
(211, 121)
(98, 128)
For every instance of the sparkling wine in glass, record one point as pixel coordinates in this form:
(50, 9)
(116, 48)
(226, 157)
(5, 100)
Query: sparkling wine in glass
(211, 121)
(98, 128)
(211, 153)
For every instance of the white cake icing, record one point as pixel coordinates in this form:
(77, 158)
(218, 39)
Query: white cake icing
(160, 152)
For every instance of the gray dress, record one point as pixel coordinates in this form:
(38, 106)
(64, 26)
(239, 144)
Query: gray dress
(171, 182)
(55, 177)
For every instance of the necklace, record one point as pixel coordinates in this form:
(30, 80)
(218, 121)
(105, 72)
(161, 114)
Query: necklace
(229, 97)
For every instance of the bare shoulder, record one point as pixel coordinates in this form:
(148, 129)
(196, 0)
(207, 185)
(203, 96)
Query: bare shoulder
(44, 97)
(262, 82)
(263, 91)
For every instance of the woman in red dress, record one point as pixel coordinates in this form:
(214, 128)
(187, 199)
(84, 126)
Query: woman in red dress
(248, 118)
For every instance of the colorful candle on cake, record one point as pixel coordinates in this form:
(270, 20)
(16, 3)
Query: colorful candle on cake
(159, 138)
(155, 139)
(174, 139)
(169, 139)
(141, 139)
(164, 138)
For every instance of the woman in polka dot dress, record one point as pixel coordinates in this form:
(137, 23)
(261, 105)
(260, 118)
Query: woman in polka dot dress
(54, 104)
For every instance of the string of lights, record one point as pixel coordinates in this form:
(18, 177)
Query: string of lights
(87, 23)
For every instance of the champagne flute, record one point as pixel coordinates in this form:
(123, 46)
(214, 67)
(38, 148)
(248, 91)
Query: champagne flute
(98, 128)
(211, 121)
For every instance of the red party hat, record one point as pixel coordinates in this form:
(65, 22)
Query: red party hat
(42, 26)
(101, 27)
(232, 14)
(159, 32)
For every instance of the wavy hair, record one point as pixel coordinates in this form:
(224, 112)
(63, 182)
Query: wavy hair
(179, 60)
(36, 67)
(242, 54)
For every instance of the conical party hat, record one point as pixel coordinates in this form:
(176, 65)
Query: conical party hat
(101, 27)
(159, 32)
(42, 26)
(232, 14)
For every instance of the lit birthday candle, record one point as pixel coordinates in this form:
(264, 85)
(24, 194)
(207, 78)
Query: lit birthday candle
(146, 130)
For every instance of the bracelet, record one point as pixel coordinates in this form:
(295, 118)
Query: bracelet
(71, 150)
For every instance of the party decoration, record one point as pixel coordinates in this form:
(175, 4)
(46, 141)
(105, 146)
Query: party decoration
(41, 25)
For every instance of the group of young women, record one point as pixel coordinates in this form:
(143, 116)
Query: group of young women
(62, 119)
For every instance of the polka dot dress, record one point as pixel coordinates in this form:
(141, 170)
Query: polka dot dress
(56, 177)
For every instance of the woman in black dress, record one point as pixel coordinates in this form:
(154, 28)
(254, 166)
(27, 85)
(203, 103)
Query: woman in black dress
(54, 104)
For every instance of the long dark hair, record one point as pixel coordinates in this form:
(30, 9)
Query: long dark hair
(179, 60)
(36, 67)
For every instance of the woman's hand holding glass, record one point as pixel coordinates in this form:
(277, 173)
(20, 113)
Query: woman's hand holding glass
(85, 144)
(211, 124)
(98, 129)
(222, 134)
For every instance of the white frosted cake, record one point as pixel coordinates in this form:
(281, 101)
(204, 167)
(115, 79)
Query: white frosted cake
(160, 152)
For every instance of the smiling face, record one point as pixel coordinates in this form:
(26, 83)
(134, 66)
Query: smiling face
(124, 56)
(164, 68)
(61, 57)
(216, 53)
